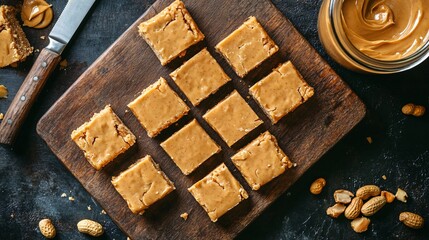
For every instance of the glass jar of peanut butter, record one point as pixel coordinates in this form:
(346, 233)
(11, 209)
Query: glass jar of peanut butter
(375, 36)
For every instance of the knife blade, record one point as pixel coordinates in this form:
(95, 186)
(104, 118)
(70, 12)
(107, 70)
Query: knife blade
(73, 14)
(61, 34)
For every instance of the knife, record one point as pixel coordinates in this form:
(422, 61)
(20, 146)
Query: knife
(67, 24)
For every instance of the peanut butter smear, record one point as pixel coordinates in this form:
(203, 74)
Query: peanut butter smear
(386, 29)
(36, 13)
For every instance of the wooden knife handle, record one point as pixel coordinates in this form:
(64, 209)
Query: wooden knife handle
(27, 94)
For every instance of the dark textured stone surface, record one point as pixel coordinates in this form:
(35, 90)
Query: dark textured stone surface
(32, 180)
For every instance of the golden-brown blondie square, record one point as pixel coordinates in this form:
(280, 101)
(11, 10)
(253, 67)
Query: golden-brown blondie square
(14, 46)
(218, 192)
(200, 76)
(281, 92)
(190, 147)
(261, 160)
(142, 184)
(103, 138)
(232, 118)
(171, 32)
(247, 47)
(158, 107)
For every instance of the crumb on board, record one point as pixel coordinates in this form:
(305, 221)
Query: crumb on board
(89, 208)
(384, 177)
(369, 139)
(103, 212)
(63, 64)
(43, 37)
(71, 199)
(1, 116)
(184, 215)
(36, 50)
(12, 215)
(295, 165)
(63, 195)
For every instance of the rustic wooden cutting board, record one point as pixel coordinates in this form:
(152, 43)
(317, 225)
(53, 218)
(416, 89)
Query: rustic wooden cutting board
(129, 66)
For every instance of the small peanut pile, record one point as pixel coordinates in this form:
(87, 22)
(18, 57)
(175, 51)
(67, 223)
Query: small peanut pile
(92, 228)
(368, 200)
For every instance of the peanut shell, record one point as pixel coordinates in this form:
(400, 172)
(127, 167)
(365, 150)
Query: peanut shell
(412, 220)
(353, 210)
(373, 205)
(368, 191)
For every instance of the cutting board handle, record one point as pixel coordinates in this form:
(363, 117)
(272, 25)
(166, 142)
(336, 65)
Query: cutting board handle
(27, 94)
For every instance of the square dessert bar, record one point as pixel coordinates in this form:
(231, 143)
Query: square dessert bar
(171, 32)
(261, 160)
(247, 47)
(158, 107)
(281, 92)
(199, 77)
(142, 184)
(14, 46)
(190, 147)
(218, 192)
(232, 118)
(103, 138)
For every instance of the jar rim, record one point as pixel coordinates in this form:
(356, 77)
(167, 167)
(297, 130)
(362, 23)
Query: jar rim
(373, 64)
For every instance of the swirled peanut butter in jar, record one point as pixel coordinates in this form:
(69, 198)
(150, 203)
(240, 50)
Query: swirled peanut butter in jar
(375, 36)
(386, 29)
(36, 13)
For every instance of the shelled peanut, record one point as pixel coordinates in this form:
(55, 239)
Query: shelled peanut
(414, 110)
(317, 186)
(360, 225)
(336, 210)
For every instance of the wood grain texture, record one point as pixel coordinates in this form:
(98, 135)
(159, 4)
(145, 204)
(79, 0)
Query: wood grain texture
(129, 66)
(27, 95)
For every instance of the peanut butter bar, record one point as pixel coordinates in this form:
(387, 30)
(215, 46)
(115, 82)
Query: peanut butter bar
(158, 107)
(218, 192)
(200, 76)
(14, 46)
(190, 147)
(171, 32)
(247, 47)
(261, 161)
(281, 92)
(232, 118)
(142, 184)
(103, 138)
